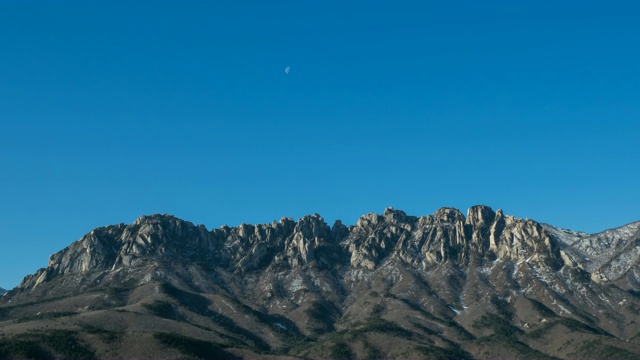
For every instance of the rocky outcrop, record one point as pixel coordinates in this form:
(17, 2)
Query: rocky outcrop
(374, 237)
(438, 277)
(309, 234)
(447, 235)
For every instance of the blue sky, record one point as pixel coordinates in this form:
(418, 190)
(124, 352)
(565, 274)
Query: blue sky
(111, 110)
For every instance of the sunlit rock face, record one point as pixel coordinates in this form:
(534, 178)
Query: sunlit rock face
(430, 280)
(445, 236)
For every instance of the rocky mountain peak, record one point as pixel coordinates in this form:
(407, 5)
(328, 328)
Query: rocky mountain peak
(445, 277)
(393, 216)
(285, 221)
(370, 219)
(313, 226)
(390, 216)
(446, 215)
(155, 219)
(480, 216)
(447, 235)
(310, 233)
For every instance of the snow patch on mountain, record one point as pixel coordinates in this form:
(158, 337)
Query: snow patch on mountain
(614, 247)
(565, 237)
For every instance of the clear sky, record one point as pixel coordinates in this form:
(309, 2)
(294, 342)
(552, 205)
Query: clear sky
(114, 109)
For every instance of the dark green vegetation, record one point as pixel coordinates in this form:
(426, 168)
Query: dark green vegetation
(438, 353)
(200, 305)
(285, 329)
(321, 317)
(570, 324)
(22, 348)
(162, 309)
(380, 325)
(215, 335)
(502, 307)
(192, 347)
(47, 344)
(341, 351)
(501, 327)
(596, 349)
(371, 338)
(462, 332)
(541, 308)
(507, 335)
(521, 349)
(106, 336)
(196, 327)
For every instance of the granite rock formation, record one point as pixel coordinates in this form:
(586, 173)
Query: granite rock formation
(483, 285)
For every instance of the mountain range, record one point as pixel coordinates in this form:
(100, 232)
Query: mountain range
(393, 286)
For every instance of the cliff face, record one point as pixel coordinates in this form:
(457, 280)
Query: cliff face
(444, 236)
(435, 276)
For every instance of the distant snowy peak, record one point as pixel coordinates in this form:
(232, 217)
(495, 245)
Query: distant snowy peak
(611, 255)
(612, 252)
(565, 237)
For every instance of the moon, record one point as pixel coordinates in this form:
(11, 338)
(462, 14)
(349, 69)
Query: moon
(287, 69)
